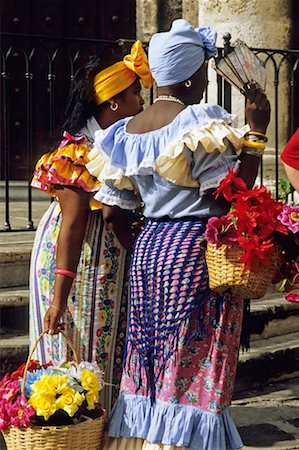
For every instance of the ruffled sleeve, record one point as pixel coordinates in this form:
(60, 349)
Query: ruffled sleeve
(208, 144)
(118, 155)
(65, 166)
(111, 196)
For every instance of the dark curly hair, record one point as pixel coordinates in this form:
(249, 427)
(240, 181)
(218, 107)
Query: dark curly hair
(81, 100)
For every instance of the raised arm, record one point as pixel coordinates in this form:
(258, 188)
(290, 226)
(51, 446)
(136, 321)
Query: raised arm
(257, 111)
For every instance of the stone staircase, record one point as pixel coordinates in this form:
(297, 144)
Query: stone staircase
(274, 349)
(274, 346)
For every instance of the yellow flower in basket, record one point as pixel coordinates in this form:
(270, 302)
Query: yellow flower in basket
(69, 401)
(52, 385)
(90, 382)
(44, 404)
(91, 398)
(53, 407)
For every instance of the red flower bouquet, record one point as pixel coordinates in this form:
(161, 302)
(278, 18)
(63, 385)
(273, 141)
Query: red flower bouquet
(252, 242)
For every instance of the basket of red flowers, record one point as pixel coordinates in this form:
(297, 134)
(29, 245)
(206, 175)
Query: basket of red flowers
(246, 247)
(52, 407)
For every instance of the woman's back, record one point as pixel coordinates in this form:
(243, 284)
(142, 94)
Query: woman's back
(154, 118)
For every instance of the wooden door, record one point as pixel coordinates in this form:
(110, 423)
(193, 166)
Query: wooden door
(43, 43)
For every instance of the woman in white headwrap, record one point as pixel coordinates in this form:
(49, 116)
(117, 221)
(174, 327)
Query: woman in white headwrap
(183, 340)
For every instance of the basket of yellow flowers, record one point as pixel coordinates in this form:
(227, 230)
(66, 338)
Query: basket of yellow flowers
(50, 407)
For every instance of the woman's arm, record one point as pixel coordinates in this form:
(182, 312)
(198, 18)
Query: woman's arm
(120, 222)
(257, 112)
(74, 203)
(293, 176)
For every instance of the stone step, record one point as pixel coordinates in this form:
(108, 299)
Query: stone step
(272, 359)
(18, 214)
(14, 310)
(14, 265)
(18, 191)
(272, 316)
(14, 297)
(13, 352)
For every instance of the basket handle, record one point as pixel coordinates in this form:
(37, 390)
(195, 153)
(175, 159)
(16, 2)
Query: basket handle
(69, 342)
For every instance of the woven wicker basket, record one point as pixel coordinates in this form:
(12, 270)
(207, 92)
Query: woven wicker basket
(84, 435)
(226, 273)
(88, 434)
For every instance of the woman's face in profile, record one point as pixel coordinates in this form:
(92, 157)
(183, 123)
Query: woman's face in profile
(131, 102)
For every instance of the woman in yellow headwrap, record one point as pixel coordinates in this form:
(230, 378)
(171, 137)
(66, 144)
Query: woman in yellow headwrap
(78, 266)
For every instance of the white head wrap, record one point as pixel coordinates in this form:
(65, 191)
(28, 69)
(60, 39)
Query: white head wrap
(177, 54)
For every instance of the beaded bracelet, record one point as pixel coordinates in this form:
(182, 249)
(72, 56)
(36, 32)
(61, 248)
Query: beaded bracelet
(262, 136)
(56, 307)
(253, 148)
(67, 273)
(255, 139)
(251, 144)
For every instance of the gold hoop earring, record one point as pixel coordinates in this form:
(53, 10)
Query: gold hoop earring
(188, 83)
(114, 106)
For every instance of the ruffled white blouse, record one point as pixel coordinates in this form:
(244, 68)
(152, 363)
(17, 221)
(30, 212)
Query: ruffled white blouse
(170, 169)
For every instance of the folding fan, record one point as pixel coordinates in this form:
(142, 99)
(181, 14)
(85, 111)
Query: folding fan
(241, 68)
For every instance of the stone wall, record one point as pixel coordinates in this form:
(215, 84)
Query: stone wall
(190, 11)
(146, 19)
(169, 10)
(261, 24)
(155, 15)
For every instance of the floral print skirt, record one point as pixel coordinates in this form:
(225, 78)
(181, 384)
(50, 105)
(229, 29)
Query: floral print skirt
(193, 392)
(95, 319)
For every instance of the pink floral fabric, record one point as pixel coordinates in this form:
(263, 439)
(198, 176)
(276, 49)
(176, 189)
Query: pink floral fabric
(202, 373)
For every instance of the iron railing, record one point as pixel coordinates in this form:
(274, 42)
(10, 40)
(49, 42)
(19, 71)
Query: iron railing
(275, 61)
(44, 68)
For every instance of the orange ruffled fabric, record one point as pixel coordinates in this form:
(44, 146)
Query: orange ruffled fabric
(65, 166)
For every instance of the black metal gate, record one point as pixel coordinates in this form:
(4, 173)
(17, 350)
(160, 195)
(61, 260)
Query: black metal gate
(44, 70)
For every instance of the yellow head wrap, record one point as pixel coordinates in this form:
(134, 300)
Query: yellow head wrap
(121, 75)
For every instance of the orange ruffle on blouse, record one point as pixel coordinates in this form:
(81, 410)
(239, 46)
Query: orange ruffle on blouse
(65, 166)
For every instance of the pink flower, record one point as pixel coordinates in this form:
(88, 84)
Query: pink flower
(289, 217)
(292, 297)
(221, 230)
(4, 417)
(14, 409)
(212, 230)
(20, 412)
(9, 392)
(5, 380)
